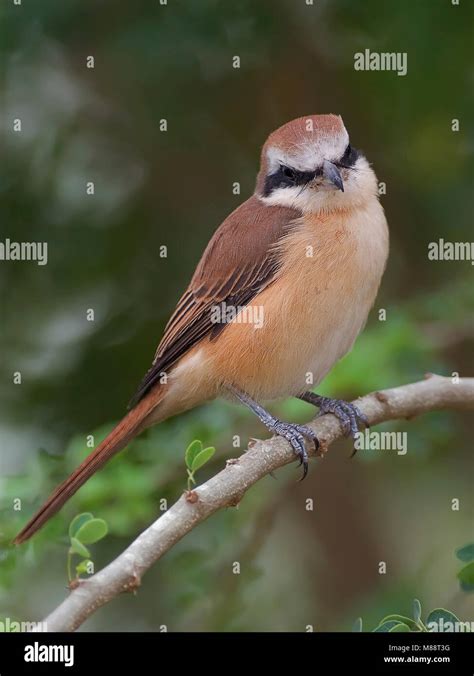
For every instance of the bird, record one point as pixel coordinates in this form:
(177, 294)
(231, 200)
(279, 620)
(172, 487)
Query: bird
(305, 254)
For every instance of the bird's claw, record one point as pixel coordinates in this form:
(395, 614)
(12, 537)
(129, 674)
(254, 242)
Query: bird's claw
(349, 414)
(295, 435)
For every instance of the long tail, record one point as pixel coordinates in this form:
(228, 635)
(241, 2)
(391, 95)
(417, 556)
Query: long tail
(118, 438)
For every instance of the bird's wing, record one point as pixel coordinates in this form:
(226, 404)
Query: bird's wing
(240, 260)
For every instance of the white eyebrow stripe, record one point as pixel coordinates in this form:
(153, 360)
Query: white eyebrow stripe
(308, 155)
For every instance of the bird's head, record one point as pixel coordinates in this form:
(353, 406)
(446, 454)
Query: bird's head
(309, 164)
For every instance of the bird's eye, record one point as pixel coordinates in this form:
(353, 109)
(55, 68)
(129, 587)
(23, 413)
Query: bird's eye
(287, 172)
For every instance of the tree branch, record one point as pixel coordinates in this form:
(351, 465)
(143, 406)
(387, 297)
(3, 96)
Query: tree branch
(228, 487)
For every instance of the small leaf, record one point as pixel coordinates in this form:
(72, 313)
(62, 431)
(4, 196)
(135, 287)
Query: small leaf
(401, 619)
(78, 548)
(466, 553)
(399, 627)
(192, 450)
(83, 566)
(416, 610)
(440, 617)
(357, 626)
(387, 626)
(201, 458)
(77, 522)
(466, 576)
(92, 531)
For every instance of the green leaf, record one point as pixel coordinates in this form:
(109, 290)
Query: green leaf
(357, 626)
(78, 548)
(201, 458)
(439, 618)
(92, 531)
(82, 566)
(77, 522)
(399, 627)
(192, 450)
(416, 610)
(466, 553)
(401, 619)
(466, 577)
(387, 626)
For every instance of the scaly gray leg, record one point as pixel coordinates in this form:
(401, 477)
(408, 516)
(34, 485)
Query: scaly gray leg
(293, 433)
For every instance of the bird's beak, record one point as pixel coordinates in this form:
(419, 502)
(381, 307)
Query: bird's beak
(333, 175)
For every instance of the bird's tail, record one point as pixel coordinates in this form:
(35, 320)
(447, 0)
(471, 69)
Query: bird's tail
(118, 438)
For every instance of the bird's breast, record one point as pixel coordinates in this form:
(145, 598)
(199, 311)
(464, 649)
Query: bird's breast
(311, 314)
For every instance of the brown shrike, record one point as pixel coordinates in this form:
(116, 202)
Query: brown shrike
(307, 252)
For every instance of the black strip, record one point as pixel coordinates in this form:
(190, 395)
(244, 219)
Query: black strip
(286, 177)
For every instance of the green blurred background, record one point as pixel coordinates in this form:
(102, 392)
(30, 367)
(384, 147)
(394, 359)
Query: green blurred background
(173, 188)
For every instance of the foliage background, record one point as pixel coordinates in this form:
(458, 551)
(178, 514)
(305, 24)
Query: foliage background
(298, 568)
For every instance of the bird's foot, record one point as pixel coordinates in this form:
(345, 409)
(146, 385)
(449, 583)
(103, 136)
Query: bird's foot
(349, 414)
(295, 435)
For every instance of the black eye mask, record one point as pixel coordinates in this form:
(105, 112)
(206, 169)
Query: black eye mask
(286, 177)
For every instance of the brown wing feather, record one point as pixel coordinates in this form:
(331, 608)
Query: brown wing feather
(239, 261)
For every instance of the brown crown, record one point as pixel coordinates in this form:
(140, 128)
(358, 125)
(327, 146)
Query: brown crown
(296, 133)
